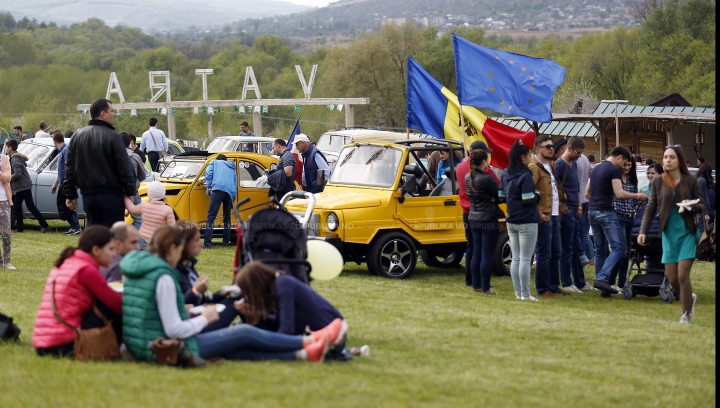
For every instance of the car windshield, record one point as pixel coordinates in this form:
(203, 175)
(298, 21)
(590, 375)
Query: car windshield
(34, 152)
(221, 145)
(332, 143)
(182, 169)
(367, 165)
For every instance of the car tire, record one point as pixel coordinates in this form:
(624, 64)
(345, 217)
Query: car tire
(503, 255)
(442, 257)
(392, 255)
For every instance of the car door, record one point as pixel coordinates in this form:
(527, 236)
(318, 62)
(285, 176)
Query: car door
(250, 176)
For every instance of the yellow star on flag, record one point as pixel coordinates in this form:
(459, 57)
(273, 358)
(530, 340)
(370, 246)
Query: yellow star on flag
(502, 101)
(509, 107)
(529, 100)
(490, 74)
(531, 77)
(492, 89)
(511, 62)
(497, 58)
(532, 87)
(524, 69)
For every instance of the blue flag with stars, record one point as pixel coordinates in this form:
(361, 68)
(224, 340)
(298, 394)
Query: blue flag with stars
(505, 82)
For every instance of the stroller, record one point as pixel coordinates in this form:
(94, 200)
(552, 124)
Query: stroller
(273, 236)
(650, 280)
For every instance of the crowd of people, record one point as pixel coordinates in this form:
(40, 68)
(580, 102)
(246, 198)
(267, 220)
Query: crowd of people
(554, 194)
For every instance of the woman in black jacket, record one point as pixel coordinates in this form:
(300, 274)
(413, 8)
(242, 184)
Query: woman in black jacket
(482, 191)
(195, 287)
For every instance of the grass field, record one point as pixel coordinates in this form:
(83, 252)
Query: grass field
(433, 342)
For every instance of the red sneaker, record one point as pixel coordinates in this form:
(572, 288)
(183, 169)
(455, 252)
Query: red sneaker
(316, 351)
(332, 330)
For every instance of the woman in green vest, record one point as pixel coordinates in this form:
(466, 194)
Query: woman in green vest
(153, 306)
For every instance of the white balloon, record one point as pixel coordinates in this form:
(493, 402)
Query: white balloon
(326, 261)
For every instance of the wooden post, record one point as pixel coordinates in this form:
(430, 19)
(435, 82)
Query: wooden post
(257, 123)
(172, 132)
(603, 142)
(349, 116)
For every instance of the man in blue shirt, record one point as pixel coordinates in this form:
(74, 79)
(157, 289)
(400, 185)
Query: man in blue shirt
(221, 183)
(59, 142)
(572, 223)
(154, 143)
(606, 181)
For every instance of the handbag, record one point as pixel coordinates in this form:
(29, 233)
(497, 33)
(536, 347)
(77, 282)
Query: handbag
(8, 329)
(92, 344)
(706, 244)
(160, 153)
(174, 352)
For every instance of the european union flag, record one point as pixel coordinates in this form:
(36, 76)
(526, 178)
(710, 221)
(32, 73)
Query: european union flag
(505, 82)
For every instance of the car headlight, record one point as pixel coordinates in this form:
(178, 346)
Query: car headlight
(332, 222)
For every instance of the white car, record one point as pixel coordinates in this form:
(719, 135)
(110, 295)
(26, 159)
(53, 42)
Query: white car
(332, 142)
(250, 144)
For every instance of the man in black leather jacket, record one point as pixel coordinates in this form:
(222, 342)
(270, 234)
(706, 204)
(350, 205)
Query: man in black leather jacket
(98, 164)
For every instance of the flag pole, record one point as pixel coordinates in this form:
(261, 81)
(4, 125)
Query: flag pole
(408, 133)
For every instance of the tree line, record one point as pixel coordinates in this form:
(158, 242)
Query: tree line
(46, 71)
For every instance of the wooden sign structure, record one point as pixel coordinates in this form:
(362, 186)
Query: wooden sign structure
(160, 84)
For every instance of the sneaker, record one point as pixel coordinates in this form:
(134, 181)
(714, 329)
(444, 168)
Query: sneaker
(560, 291)
(605, 287)
(617, 289)
(692, 308)
(46, 229)
(685, 318)
(529, 297)
(332, 330)
(73, 231)
(587, 288)
(207, 246)
(571, 288)
(517, 295)
(10, 267)
(316, 351)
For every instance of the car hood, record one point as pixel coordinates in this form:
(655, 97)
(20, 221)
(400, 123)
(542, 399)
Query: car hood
(142, 190)
(345, 200)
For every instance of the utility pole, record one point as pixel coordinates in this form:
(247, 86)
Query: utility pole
(617, 124)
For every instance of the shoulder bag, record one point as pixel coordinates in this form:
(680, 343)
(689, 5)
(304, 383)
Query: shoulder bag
(174, 352)
(706, 243)
(160, 153)
(91, 344)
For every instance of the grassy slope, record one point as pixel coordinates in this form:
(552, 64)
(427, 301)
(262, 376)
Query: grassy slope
(434, 343)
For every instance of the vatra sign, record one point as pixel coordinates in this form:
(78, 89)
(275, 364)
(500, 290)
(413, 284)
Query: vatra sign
(160, 83)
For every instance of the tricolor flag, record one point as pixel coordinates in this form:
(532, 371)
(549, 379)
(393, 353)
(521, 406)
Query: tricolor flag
(295, 131)
(433, 109)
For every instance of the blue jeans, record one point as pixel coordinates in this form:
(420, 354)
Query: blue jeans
(468, 250)
(73, 221)
(153, 158)
(549, 250)
(246, 342)
(218, 197)
(104, 209)
(620, 272)
(587, 244)
(137, 219)
(522, 245)
(606, 229)
(570, 265)
(484, 238)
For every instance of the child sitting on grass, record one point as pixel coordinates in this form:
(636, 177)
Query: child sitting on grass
(155, 212)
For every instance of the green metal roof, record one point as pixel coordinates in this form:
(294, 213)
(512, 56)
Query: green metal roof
(609, 109)
(554, 128)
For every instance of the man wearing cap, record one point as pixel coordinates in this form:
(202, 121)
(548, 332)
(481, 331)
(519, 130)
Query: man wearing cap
(221, 183)
(548, 247)
(43, 130)
(461, 171)
(313, 160)
(560, 147)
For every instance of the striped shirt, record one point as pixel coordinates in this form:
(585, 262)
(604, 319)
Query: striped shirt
(626, 206)
(583, 174)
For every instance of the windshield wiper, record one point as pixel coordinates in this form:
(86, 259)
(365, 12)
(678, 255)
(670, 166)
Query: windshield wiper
(375, 155)
(348, 157)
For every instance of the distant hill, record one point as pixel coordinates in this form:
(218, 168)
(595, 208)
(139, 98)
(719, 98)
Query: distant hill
(149, 14)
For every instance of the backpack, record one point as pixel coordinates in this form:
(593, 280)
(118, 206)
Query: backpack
(8, 329)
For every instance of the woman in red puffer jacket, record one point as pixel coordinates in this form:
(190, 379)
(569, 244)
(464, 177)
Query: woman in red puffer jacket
(78, 285)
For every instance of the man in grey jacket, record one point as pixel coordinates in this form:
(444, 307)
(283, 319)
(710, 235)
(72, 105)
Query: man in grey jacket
(21, 186)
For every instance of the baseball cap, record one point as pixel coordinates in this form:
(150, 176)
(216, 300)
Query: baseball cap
(302, 137)
(560, 143)
(479, 145)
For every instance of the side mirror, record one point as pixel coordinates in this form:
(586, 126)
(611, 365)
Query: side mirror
(201, 181)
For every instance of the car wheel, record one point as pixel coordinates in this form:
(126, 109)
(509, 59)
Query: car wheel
(503, 255)
(439, 257)
(392, 255)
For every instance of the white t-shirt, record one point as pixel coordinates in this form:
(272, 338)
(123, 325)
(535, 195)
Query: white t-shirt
(555, 194)
(41, 133)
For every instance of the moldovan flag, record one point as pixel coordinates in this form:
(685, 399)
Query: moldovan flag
(433, 109)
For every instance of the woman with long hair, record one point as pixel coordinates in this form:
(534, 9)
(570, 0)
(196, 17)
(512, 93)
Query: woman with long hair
(78, 285)
(625, 210)
(282, 303)
(482, 190)
(195, 286)
(679, 234)
(154, 306)
(652, 171)
(517, 189)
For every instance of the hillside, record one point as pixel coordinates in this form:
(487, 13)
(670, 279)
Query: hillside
(149, 15)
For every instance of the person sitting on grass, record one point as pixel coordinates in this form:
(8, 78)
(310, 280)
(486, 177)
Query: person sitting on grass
(77, 285)
(282, 303)
(154, 212)
(154, 307)
(194, 286)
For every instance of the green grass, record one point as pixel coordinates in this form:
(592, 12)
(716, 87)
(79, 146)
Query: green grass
(433, 341)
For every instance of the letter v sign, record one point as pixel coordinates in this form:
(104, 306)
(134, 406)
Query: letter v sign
(307, 88)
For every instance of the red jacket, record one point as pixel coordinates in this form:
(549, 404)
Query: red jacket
(72, 299)
(461, 171)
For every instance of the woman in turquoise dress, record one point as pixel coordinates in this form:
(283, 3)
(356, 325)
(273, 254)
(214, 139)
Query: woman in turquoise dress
(678, 229)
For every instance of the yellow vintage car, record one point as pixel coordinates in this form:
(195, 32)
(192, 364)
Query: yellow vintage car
(185, 188)
(380, 207)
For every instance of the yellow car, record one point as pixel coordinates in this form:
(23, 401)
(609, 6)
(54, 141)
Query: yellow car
(185, 189)
(378, 208)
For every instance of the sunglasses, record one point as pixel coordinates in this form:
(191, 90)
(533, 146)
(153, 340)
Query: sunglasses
(549, 147)
(669, 146)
